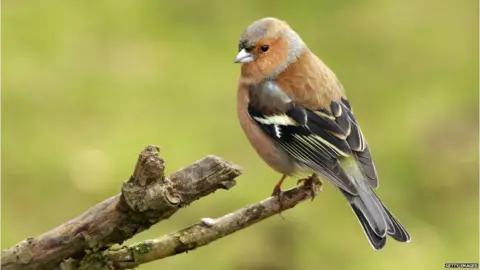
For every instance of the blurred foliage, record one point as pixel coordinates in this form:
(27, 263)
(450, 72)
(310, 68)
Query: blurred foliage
(86, 85)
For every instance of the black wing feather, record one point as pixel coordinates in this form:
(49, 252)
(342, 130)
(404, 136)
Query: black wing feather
(310, 138)
(318, 138)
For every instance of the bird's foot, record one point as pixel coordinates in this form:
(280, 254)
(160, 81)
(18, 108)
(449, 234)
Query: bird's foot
(312, 181)
(278, 193)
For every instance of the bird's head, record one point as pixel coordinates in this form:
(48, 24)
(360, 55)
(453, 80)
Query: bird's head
(267, 47)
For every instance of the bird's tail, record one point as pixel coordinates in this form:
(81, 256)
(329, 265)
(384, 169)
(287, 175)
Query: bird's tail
(376, 220)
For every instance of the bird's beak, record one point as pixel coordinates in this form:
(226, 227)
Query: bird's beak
(244, 57)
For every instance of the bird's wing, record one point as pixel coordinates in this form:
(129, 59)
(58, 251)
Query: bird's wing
(320, 139)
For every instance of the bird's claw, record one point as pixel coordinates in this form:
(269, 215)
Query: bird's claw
(277, 192)
(312, 181)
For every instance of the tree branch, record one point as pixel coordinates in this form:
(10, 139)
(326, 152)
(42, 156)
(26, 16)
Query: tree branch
(194, 236)
(147, 198)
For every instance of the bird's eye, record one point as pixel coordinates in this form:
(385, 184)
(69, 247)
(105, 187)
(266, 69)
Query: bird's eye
(264, 48)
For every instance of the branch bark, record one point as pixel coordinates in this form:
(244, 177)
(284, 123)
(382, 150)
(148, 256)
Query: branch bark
(146, 199)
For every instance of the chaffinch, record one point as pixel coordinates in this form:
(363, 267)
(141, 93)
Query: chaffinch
(294, 112)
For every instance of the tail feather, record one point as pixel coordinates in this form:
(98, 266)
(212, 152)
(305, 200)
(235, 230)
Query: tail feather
(397, 232)
(376, 220)
(376, 241)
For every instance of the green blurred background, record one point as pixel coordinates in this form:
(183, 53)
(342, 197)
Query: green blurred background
(86, 85)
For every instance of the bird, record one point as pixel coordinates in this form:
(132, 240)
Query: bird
(295, 113)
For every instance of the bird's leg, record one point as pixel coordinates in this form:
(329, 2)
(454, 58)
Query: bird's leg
(311, 182)
(277, 191)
